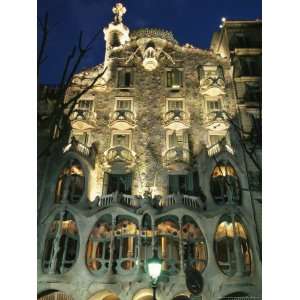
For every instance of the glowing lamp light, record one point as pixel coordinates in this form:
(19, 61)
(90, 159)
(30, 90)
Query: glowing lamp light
(154, 266)
(223, 19)
(221, 26)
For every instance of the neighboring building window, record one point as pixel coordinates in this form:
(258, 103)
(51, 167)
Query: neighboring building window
(201, 73)
(175, 105)
(231, 241)
(194, 246)
(62, 244)
(124, 104)
(224, 184)
(174, 78)
(125, 78)
(71, 183)
(247, 66)
(121, 140)
(98, 246)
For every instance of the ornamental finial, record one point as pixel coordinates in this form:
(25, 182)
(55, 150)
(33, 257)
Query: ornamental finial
(119, 10)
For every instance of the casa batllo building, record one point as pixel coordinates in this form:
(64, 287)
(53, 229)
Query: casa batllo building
(158, 158)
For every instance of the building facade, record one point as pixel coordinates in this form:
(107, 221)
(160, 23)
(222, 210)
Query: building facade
(164, 154)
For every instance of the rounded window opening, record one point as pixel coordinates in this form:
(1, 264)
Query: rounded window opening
(99, 246)
(232, 247)
(61, 245)
(224, 184)
(104, 295)
(71, 183)
(53, 295)
(168, 244)
(194, 246)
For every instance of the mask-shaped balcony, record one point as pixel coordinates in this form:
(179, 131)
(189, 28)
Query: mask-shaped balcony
(83, 120)
(122, 120)
(219, 147)
(176, 119)
(177, 158)
(119, 157)
(212, 86)
(89, 153)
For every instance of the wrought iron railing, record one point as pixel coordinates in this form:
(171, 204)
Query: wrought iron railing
(123, 115)
(176, 115)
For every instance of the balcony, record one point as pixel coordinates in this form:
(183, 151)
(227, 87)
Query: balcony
(177, 158)
(219, 147)
(83, 120)
(212, 86)
(119, 157)
(176, 120)
(89, 153)
(122, 120)
(117, 198)
(188, 201)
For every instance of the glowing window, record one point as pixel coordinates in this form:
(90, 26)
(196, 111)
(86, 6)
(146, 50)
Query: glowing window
(231, 245)
(224, 184)
(62, 244)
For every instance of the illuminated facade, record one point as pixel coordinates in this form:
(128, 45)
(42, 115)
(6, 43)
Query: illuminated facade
(157, 159)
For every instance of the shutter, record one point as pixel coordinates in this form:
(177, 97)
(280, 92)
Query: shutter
(189, 183)
(169, 78)
(127, 183)
(173, 184)
(185, 141)
(176, 78)
(180, 83)
(105, 184)
(172, 140)
(196, 186)
(220, 72)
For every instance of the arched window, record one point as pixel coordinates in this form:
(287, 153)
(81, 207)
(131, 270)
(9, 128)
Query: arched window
(98, 246)
(168, 245)
(71, 183)
(125, 245)
(224, 184)
(194, 247)
(62, 244)
(232, 248)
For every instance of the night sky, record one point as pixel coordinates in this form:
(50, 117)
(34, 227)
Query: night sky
(191, 21)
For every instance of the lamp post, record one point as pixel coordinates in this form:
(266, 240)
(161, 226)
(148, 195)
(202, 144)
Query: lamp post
(154, 270)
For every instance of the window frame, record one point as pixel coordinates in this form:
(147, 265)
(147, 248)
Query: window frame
(174, 100)
(125, 71)
(181, 78)
(129, 99)
(121, 132)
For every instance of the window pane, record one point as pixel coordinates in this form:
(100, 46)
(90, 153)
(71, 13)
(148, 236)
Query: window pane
(121, 140)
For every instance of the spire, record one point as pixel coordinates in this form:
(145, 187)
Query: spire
(119, 10)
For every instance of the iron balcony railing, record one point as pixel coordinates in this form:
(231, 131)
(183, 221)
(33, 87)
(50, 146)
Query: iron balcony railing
(123, 116)
(176, 115)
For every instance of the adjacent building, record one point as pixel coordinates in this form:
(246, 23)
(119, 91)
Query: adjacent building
(164, 153)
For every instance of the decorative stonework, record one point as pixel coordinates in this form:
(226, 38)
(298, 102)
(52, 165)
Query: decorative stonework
(153, 33)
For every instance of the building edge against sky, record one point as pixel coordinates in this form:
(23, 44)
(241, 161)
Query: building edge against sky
(163, 153)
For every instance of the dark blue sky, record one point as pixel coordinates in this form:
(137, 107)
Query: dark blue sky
(191, 21)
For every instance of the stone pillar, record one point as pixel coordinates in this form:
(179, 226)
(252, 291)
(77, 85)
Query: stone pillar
(181, 247)
(111, 246)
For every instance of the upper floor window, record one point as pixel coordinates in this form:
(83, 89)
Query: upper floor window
(125, 78)
(174, 78)
(184, 184)
(85, 105)
(214, 105)
(61, 245)
(175, 105)
(121, 140)
(124, 104)
(178, 139)
(247, 66)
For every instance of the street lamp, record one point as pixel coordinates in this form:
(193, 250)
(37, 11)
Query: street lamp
(154, 269)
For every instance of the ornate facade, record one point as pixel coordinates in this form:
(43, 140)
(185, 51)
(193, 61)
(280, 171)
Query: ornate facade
(164, 153)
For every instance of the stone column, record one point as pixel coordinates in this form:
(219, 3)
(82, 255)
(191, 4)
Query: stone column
(111, 256)
(181, 254)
